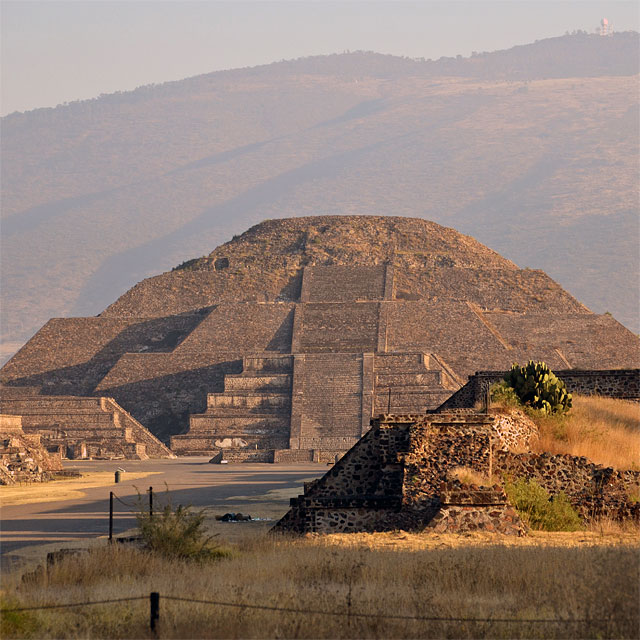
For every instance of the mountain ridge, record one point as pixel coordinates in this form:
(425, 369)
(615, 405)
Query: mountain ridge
(107, 192)
(464, 66)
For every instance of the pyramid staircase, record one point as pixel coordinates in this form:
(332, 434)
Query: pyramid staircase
(412, 382)
(249, 419)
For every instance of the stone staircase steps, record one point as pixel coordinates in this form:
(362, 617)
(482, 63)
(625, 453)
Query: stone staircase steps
(244, 455)
(417, 402)
(254, 409)
(395, 362)
(99, 422)
(206, 422)
(32, 404)
(92, 420)
(418, 382)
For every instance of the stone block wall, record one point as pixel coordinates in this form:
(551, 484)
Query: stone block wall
(465, 509)
(613, 383)
(450, 329)
(568, 340)
(23, 458)
(244, 327)
(399, 476)
(10, 423)
(498, 288)
(460, 441)
(391, 478)
(180, 292)
(592, 489)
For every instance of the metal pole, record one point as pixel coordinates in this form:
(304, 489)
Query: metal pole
(110, 516)
(150, 502)
(154, 610)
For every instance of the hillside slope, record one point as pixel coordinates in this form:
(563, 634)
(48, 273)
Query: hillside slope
(533, 151)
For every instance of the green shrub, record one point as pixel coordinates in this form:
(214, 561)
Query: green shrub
(178, 533)
(502, 393)
(15, 624)
(539, 510)
(538, 387)
(189, 265)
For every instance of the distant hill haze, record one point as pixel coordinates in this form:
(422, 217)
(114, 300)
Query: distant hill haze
(533, 151)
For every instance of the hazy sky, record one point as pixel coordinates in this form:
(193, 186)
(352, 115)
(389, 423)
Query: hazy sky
(54, 51)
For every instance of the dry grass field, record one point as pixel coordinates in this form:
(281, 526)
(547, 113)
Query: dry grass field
(582, 586)
(605, 430)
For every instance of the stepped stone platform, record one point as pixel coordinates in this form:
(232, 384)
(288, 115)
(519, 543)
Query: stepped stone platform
(402, 475)
(397, 477)
(284, 342)
(81, 427)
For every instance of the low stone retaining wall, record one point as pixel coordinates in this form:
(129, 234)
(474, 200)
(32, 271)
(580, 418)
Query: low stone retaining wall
(592, 489)
(612, 383)
(471, 508)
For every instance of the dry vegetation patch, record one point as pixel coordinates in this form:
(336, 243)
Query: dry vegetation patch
(604, 430)
(349, 575)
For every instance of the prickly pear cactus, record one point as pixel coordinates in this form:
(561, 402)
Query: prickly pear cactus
(536, 385)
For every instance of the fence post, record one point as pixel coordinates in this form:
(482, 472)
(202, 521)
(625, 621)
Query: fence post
(154, 610)
(150, 502)
(110, 516)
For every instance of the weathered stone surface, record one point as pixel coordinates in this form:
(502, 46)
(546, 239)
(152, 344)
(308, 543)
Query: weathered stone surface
(23, 457)
(367, 314)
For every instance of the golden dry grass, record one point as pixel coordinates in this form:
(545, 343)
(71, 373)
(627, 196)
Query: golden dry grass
(322, 573)
(604, 430)
(467, 475)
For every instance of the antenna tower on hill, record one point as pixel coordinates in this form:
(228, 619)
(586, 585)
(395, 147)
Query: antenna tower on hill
(605, 28)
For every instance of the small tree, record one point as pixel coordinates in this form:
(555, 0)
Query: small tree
(177, 533)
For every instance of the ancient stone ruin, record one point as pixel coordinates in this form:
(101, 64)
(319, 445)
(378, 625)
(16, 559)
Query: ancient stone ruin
(23, 457)
(82, 427)
(283, 343)
(401, 476)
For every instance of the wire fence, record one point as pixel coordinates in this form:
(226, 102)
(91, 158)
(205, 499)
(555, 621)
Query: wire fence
(154, 597)
(154, 612)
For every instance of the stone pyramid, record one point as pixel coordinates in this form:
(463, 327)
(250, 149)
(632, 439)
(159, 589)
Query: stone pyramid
(282, 343)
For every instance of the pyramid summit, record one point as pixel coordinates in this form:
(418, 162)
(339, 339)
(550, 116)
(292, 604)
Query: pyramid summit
(289, 337)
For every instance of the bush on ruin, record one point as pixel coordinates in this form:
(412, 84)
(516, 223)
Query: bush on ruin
(504, 396)
(536, 386)
(541, 511)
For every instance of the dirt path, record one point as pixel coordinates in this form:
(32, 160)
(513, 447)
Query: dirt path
(64, 489)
